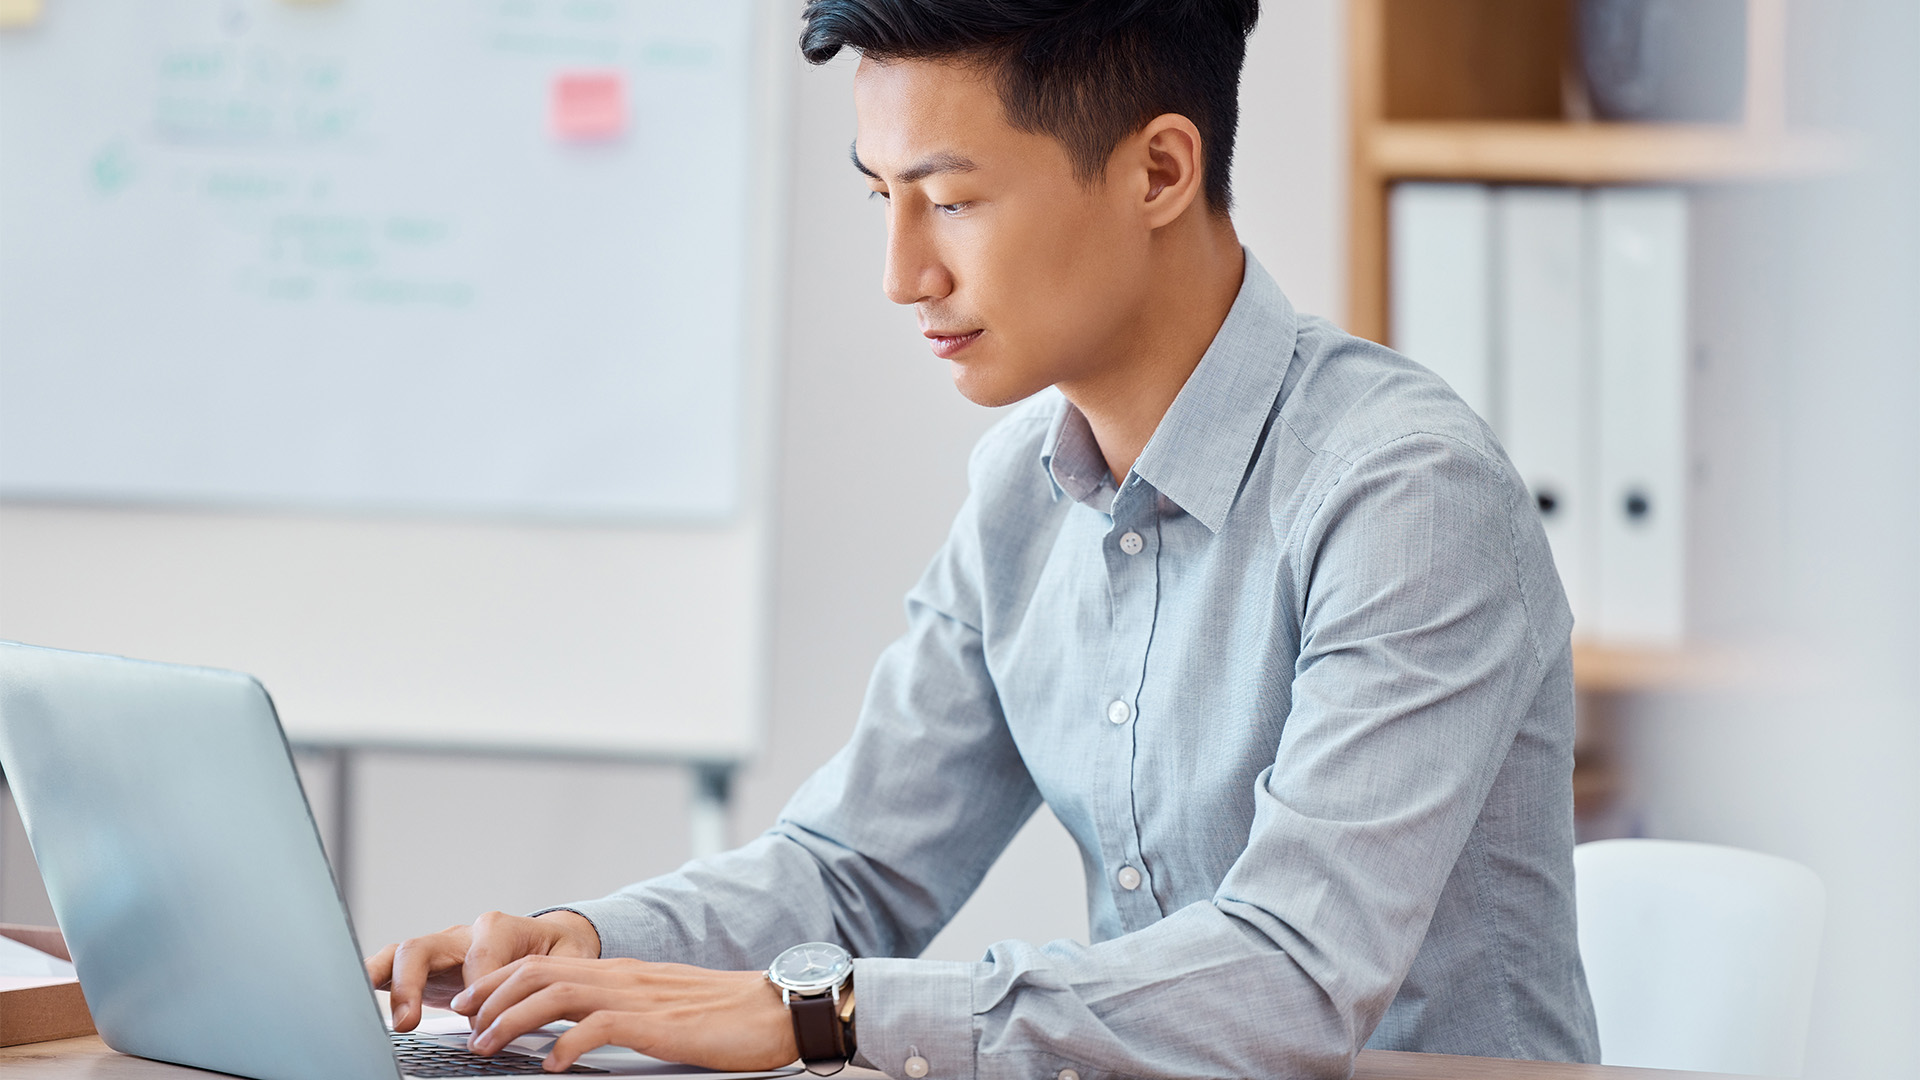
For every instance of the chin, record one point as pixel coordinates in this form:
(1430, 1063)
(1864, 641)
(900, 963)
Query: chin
(983, 389)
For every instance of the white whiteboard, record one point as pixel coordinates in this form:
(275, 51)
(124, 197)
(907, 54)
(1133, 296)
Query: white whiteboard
(496, 476)
(377, 254)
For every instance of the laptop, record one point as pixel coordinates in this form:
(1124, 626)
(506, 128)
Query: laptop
(186, 872)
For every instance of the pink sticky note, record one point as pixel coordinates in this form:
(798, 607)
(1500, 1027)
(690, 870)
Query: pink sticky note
(588, 105)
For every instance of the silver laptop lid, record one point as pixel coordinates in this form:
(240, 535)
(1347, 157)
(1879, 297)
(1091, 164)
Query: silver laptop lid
(185, 868)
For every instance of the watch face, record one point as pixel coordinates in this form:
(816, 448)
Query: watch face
(811, 968)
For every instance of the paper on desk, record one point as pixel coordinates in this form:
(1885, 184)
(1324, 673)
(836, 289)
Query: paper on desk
(28, 982)
(24, 960)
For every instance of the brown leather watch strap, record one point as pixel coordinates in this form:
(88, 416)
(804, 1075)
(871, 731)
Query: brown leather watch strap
(817, 1032)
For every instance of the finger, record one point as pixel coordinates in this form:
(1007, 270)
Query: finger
(560, 1001)
(484, 999)
(380, 967)
(500, 991)
(413, 963)
(596, 1031)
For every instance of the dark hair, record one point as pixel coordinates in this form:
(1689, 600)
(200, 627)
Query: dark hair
(1087, 72)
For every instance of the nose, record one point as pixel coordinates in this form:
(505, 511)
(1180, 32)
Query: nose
(914, 269)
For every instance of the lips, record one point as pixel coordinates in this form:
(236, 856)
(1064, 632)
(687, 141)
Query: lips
(948, 344)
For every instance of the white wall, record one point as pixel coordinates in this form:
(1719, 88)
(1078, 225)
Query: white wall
(1290, 162)
(1806, 547)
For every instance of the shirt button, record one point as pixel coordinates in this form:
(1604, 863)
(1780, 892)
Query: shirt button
(1118, 712)
(1128, 877)
(1066, 1074)
(916, 1067)
(1132, 544)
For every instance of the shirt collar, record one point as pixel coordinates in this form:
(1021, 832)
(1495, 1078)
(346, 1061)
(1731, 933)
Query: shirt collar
(1073, 461)
(1200, 452)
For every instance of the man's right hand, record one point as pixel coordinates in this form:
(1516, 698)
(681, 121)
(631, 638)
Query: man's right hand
(432, 969)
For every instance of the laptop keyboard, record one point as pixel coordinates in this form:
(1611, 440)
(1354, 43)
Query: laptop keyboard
(428, 1055)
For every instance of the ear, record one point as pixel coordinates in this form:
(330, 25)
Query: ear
(1166, 157)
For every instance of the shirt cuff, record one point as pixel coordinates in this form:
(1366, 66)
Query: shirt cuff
(915, 1009)
(626, 929)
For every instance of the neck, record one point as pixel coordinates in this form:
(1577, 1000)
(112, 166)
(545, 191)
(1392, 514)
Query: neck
(1197, 270)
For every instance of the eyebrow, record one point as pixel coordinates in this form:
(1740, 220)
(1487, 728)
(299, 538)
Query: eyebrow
(944, 162)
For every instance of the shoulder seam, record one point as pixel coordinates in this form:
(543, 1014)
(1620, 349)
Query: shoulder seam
(1535, 647)
(1390, 440)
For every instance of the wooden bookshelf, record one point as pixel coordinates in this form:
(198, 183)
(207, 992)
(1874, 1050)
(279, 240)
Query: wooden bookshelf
(1555, 152)
(1612, 669)
(1487, 90)
(1482, 89)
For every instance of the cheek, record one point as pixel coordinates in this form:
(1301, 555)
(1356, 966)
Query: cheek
(1057, 278)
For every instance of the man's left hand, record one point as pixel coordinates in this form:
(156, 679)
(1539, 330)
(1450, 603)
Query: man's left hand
(728, 1020)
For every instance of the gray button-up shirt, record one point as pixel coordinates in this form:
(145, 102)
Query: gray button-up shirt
(1300, 689)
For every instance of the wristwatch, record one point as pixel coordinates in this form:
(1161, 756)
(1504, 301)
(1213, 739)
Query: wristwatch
(815, 981)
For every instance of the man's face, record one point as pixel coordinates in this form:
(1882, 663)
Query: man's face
(1022, 276)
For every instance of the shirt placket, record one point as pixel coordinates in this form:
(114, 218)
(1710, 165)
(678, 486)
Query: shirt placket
(1131, 551)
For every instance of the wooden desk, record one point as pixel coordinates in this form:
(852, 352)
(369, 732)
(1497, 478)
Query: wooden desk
(90, 1058)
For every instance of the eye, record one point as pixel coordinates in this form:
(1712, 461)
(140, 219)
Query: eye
(879, 195)
(950, 209)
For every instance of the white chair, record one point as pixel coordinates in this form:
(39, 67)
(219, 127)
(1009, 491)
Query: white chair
(1698, 956)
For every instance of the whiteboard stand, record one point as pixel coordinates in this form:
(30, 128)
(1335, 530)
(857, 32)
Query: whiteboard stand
(712, 798)
(707, 815)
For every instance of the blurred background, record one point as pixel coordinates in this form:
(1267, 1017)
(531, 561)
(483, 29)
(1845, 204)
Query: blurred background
(507, 384)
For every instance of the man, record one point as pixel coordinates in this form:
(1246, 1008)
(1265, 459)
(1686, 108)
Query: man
(1259, 609)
